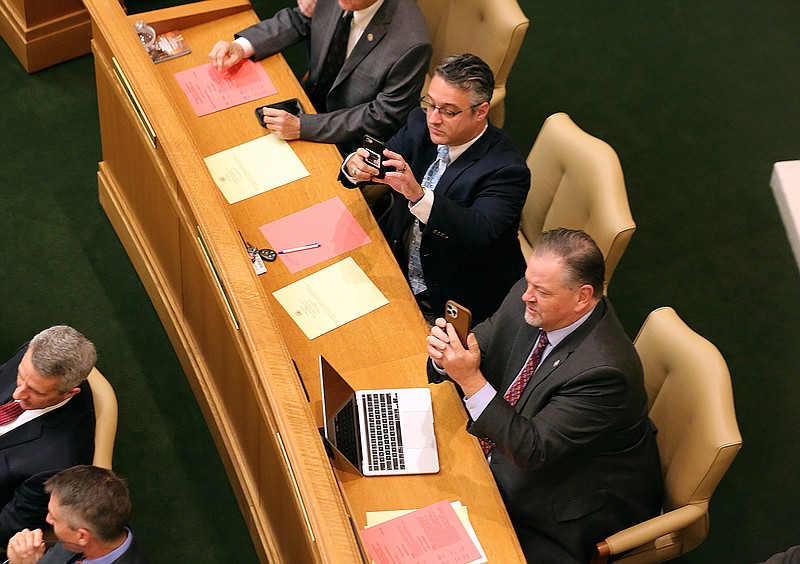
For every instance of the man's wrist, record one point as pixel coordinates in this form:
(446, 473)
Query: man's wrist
(421, 195)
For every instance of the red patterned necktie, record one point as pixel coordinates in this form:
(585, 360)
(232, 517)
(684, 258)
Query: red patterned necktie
(10, 411)
(518, 385)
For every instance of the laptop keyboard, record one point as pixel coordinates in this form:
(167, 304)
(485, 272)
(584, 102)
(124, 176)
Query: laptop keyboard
(385, 449)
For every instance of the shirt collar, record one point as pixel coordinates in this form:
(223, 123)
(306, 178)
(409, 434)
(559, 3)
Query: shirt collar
(115, 554)
(555, 336)
(363, 17)
(458, 150)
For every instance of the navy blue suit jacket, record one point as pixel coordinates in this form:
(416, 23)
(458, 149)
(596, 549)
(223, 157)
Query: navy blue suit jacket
(576, 458)
(33, 452)
(470, 251)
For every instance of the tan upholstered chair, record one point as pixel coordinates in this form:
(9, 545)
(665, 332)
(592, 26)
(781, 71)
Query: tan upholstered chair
(576, 182)
(105, 412)
(491, 29)
(691, 404)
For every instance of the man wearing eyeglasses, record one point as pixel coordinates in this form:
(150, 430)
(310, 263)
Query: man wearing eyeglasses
(459, 187)
(367, 66)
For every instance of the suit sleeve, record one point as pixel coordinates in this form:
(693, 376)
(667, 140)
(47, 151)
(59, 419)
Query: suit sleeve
(582, 411)
(384, 114)
(285, 28)
(28, 507)
(492, 208)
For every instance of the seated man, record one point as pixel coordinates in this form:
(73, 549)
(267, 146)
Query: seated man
(453, 224)
(46, 422)
(555, 394)
(367, 66)
(89, 508)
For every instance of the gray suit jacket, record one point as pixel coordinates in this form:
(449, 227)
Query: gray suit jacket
(576, 458)
(381, 80)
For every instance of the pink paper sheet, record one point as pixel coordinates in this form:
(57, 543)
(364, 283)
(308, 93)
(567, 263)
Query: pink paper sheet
(429, 535)
(210, 90)
(328, 223)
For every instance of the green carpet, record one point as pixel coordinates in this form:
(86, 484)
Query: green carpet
(698, 99)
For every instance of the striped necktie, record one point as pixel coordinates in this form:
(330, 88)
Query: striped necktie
(516, 388)
(9, 412)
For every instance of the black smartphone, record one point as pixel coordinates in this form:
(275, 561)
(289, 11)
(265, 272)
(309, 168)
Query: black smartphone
(292, 105)
(460, 317)
(375, 159)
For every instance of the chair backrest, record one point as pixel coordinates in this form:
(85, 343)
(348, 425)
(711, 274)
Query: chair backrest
(576, 182)
(105, 412)
(691, 404)
(491, 29)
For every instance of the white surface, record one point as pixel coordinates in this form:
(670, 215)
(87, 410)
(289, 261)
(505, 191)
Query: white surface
(785, 183)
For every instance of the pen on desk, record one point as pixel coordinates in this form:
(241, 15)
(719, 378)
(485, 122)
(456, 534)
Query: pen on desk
(300, 248)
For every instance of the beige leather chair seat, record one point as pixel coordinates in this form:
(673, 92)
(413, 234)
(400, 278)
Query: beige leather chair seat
(691, 404)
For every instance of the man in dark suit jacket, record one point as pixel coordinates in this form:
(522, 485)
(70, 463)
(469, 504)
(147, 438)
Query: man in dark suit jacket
(54, 424)
(468, 219)
(574, 456)
(88, 509)
(378, 84)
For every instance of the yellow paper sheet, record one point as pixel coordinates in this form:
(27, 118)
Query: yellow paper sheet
(376, 517)
(330, 298)
(255, 167)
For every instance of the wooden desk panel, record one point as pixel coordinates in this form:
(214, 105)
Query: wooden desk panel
(235, 342)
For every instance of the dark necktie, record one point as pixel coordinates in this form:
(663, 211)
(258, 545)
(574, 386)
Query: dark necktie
(514, 391)
(9, 412)
(337, 53)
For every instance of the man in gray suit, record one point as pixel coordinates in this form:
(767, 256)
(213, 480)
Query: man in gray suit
(89, 508)
(555, 394)
(381, 66)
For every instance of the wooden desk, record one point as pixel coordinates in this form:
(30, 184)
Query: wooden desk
(235, 342)
(42, 33)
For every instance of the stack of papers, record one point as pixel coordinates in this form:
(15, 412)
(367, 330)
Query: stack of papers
(440, 533)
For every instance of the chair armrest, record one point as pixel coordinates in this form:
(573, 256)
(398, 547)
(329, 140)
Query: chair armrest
(649, 530)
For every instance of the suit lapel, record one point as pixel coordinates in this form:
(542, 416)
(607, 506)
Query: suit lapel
(559, 354)
(27, 432)
(472, 155)
(374, 32)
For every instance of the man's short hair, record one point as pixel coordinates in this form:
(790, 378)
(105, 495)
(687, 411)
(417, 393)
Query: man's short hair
(92, 498)
(62, 352)
(583, 262)
(468, 72)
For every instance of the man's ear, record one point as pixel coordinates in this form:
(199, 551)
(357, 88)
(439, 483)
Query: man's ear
(482, 111)
(71, 393)
(84, 535)
(585, 294)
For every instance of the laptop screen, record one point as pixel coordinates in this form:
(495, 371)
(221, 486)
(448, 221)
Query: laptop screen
(339, 411)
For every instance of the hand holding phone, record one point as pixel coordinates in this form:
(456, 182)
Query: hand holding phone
(293, 106)
(461, 319)
(375, 159)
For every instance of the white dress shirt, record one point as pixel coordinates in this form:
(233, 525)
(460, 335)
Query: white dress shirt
(29, 415)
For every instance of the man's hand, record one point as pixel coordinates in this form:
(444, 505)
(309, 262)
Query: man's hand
(281, 123)
(307, 7)
(225, 54)
(462, 365)
(26, 547)
(402, 179)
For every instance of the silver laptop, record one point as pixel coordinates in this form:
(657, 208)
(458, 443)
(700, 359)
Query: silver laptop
(379, 432)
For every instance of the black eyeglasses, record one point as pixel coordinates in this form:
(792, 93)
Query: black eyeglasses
(429, 106)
